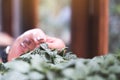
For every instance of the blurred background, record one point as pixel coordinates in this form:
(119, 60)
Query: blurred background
(114, 25)
(55, 18)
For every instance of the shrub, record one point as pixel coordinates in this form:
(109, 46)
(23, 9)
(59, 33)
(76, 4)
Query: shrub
(45, 64)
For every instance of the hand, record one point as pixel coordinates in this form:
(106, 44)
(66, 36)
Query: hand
(26, 42)
(32, 39)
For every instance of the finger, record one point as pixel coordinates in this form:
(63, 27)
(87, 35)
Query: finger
(37, 35)
(21, 45)
(55, 43)
(26, 42)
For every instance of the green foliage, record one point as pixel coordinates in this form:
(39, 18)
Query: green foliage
(46, 64)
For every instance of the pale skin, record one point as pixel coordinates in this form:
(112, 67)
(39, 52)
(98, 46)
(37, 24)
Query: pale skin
(32, 39)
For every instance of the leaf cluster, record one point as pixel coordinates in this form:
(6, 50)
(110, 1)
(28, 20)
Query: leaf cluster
(45, 64)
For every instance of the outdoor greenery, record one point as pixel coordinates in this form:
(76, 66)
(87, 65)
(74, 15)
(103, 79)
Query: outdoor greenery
(45, 64)
(114, 25)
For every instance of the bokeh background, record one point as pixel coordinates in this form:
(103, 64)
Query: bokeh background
(114, 25)
(55, 20)
(55, 17)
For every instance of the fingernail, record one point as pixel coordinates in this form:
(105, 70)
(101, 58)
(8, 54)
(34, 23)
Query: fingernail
(22, 44)
(27, 41)
(38, 39)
